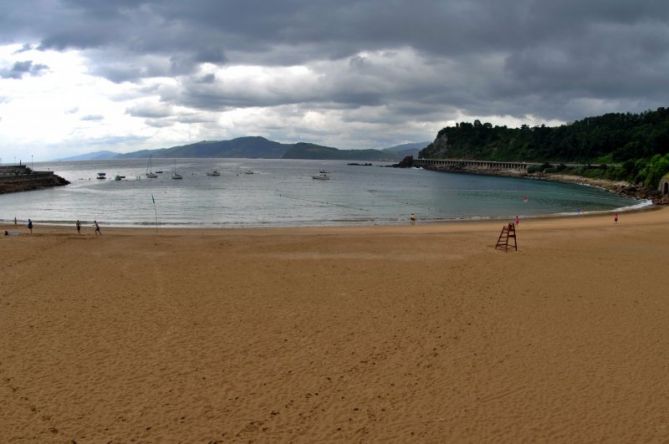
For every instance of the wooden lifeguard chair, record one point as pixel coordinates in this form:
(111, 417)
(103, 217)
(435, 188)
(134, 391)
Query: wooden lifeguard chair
(508, 232)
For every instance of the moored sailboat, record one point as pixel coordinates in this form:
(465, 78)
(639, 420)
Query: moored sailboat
(150, 174)
(175, 175)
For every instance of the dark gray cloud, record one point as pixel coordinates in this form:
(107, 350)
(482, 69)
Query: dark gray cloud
(430, 59)
(24, 68)
(25, 48)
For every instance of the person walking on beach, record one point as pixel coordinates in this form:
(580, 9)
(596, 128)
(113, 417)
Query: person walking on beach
(615, 218)
(517, 221)
(78, 227)
(30, 225)
(97, 228)
(412, 218)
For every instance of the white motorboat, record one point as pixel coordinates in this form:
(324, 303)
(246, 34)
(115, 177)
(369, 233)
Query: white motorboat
(213, 173)
(321, 176)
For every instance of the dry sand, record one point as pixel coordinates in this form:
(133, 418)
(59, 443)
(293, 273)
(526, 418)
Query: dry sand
(401, 334)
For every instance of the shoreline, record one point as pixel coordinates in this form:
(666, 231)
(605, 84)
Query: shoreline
(647, 205)
(621, 188)
(430, 225)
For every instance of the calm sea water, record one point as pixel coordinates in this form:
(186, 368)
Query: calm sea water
(283, 193)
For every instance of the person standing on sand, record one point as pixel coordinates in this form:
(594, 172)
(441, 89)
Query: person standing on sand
(97, 228)
(30, 225)
(615, 218)
(78, 227)
(517, 220)
(412, 218)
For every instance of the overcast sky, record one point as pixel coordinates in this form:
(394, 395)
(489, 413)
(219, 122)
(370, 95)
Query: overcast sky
(84, 75)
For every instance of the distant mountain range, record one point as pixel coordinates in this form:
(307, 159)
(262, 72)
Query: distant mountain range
(97, 155)
(259, 147)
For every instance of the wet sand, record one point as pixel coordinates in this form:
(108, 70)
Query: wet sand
(419, 333)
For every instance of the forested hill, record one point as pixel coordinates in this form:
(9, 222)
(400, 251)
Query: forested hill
(609, 138)
(259, 147)
(249, 147)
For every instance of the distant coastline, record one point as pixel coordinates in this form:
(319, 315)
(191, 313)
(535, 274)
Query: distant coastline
(255, 147)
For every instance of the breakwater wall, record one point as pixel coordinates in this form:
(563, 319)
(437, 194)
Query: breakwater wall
(14, 178)
(472, 165)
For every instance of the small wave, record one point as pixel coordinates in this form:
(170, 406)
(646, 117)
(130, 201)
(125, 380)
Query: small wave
(639, 206)
(644, 204)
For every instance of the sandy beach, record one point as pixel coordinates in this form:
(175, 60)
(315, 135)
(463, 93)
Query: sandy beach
(419, 333)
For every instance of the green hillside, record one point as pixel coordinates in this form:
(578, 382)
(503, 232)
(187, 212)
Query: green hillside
(635, 146)
(259, 147)
(248, 147)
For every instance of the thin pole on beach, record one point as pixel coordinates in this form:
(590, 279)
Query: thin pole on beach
(155, 212)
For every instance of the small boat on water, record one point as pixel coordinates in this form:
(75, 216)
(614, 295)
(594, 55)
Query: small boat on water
(175, 175)
(150, 174)
(249, 172)
(118, 177)
(321, 176)
(102, 176)
(213, 173)
(324, 171)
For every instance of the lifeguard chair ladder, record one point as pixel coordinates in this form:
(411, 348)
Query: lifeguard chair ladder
(508, 232)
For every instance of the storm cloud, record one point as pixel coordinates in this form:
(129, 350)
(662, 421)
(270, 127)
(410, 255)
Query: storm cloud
(373, 65)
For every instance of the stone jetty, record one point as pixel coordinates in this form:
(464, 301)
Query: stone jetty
(15, 178)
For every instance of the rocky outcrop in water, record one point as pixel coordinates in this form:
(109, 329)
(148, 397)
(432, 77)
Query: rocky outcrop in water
(407, 162)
